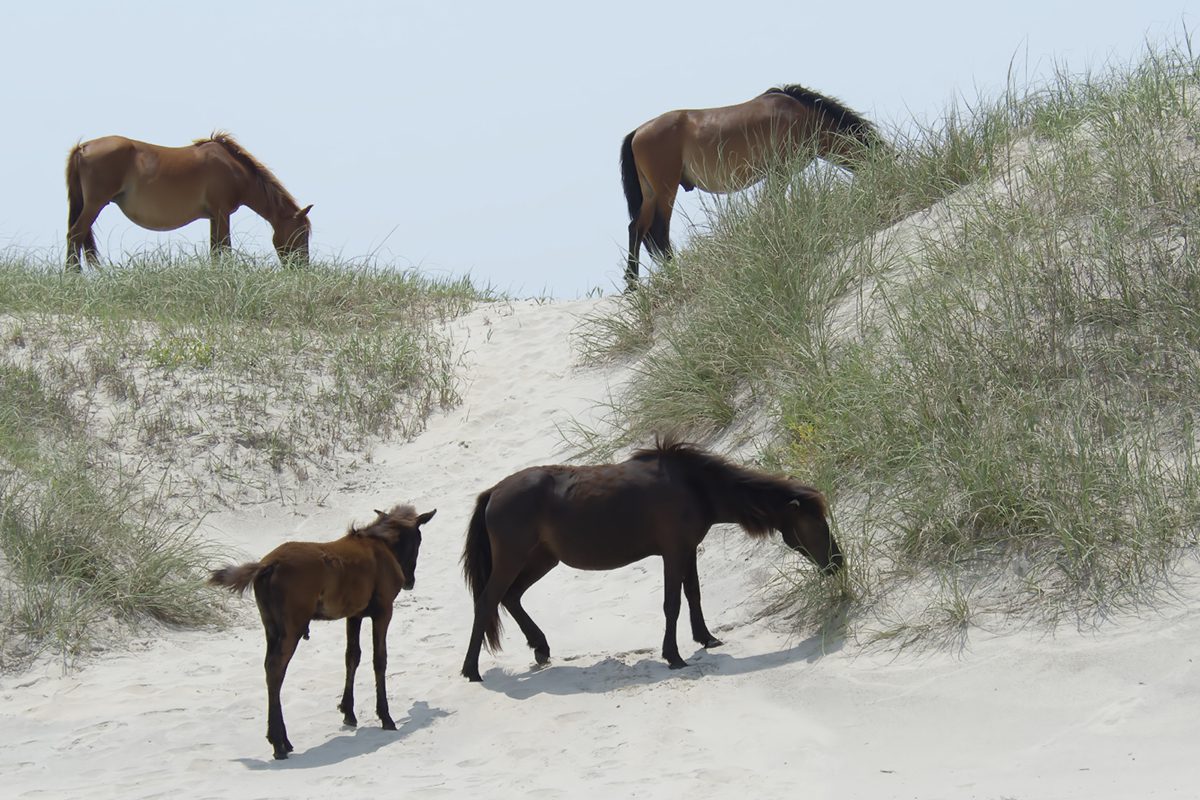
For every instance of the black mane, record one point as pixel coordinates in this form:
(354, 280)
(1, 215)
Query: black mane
(752, 495)
(845, 119)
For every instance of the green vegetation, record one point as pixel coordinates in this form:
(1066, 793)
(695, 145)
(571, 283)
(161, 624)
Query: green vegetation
(145, 393)
(984, 350)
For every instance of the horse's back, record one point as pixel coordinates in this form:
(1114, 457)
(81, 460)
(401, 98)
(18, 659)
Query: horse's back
(329, 580)
(593, 517)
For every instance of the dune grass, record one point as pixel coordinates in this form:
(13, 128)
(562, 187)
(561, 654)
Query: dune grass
(136, 397)
(984, 350)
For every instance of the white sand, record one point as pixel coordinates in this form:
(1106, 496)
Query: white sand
(1111, 714)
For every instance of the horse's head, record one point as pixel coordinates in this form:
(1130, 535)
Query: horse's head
(403, 536)
(806, 530)
(291, 235)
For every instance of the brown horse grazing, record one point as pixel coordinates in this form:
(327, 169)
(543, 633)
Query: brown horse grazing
(164, 188)
(726, 149)
(661, 502)
(356, 576)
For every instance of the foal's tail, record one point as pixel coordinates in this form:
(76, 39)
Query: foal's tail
(74, 185)
(236, 579)
(477, 565)
(658, 238)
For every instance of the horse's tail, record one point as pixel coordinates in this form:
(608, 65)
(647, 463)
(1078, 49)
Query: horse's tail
(658, 238)
(629, 178)
(237, 579)
(477, 565)
(74, 185)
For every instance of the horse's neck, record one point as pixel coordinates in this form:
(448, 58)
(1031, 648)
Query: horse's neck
(273, 208)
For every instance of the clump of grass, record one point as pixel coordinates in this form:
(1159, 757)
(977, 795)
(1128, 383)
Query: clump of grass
(80, 546)
(996, 390)
(235, 356)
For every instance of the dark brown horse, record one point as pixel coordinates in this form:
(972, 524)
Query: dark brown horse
(354, 577)
(661, 502)
(164, 188)
(725, 149)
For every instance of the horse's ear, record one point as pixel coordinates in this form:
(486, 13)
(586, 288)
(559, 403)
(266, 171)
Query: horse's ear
(384, 513)
(304, 211)
(423, 518)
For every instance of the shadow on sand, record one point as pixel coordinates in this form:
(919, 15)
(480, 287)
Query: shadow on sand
(353, 742)
(612, 673)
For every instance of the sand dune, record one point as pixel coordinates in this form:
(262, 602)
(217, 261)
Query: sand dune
(1110, 713)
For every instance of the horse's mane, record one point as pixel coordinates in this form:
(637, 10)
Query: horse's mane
(845, 119)
(752, 495)
(277, 196)
(404, 514)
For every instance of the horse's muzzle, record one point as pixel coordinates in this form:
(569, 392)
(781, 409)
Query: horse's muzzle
(834, 566)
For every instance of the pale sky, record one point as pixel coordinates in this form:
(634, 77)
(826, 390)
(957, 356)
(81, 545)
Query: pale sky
(483, 138)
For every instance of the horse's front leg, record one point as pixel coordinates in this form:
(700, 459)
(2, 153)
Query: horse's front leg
(379, 626)
(673, 570)
(691, 590)
(219, 234)
(353, 655)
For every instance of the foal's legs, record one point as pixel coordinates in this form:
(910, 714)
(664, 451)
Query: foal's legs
(691, 590)
(281, 645)
(673, 570)
(540, 563)
(379, 626)
(353, 654)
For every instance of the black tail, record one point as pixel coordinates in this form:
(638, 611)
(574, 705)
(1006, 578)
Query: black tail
(74, 186)
(629, 178)
(658, 238)
(236, 579)
(477, 565)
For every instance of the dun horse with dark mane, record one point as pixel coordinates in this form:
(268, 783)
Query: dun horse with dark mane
(726, 149)
(164, 188)
(354, 577)
(661, 502)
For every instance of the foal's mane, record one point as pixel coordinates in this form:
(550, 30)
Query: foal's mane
(278, 197)
(403, 514)
(752, 495)
(845, 120)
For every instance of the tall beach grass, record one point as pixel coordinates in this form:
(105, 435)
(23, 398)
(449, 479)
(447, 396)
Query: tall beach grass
(985, 350)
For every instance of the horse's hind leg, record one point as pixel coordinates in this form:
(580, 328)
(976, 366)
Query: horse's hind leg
(89, 248)
(281, 645)
(353, 655)
(487, 610)
(540, 563)
(635, 246)
(379, 626)
(691, 590)
(80, 239)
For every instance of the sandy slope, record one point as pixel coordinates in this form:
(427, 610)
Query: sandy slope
(1112, 714)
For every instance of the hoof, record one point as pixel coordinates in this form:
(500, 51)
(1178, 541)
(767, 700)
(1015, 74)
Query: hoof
(680, 664)
(472, 675)
(388, 725)
(350, 721)
(712, 642)
(281, 754)
(542, 657)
